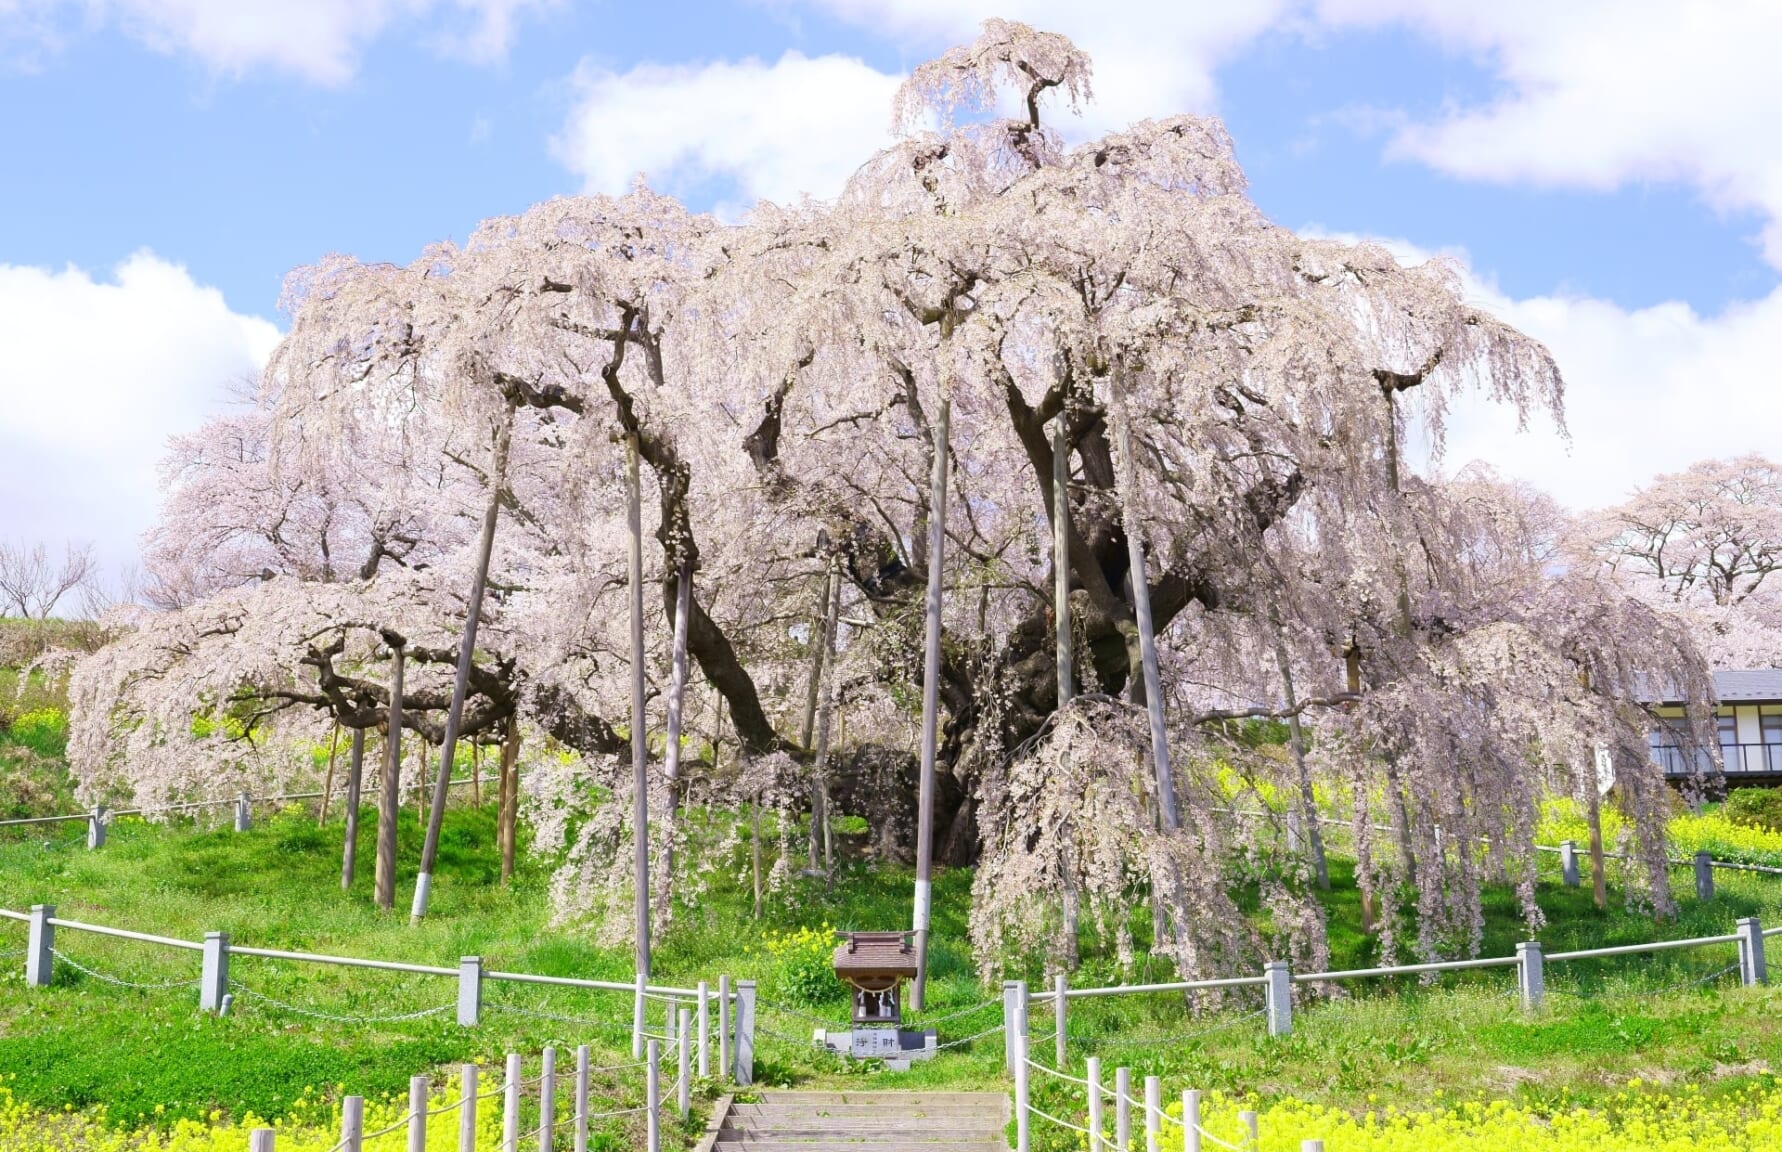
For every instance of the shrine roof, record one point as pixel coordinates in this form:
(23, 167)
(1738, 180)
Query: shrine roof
(876, 954)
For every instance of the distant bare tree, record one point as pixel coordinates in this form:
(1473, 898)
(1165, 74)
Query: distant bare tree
(31, 585)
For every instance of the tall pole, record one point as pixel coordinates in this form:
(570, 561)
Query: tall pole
(1141, 607)
(1308, 800)
(349, 852)
(937, 538)
(389, 800)
(826, 711)
(448, 748)
(640, 775)
(1061, 557)
(508, 797)
(328, 784)
(677, 694)
(822, 647)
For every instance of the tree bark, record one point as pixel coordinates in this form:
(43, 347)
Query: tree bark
(389, 798)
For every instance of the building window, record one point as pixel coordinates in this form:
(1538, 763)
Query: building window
(1728, 729)
(1772, 729)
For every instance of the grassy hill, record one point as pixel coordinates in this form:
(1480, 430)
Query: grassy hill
(147, 1057)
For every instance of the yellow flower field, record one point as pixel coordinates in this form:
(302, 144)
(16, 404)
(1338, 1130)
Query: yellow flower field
(27, 1129)
(1635, 1120)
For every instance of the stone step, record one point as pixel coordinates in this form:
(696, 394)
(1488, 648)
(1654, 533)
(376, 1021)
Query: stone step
(811, 1129)
(863, 1121)
(850, 1144)
(899, 1108)
(885, 1099)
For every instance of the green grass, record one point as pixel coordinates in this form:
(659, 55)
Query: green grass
(149, 1056)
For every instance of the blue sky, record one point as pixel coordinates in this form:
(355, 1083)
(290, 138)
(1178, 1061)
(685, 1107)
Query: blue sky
(1609, 174)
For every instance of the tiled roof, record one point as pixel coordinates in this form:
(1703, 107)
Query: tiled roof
(1743, 687)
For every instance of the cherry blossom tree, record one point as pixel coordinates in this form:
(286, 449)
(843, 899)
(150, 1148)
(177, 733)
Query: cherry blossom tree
(1706, 543)
(991, 307)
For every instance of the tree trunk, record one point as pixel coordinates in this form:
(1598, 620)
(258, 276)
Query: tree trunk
(640, 776)
(389, 798)
(508, 791)
(355, 775)
(448, 747)
(931, 670)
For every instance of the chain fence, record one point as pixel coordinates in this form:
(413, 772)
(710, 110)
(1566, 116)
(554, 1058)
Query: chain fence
(339, 1018)
(118, 980)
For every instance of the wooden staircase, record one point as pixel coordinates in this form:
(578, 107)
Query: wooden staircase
(866, 1122)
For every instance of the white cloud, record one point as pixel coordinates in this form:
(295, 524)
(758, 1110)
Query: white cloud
(801, 124)
(1602, 93)
(1595, 93)
(317, 40)
(1647, 390)
(97, 374)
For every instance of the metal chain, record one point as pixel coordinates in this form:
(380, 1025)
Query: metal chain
(541, 1015)
(1130, 1042)
(968, 1039)
(961, 1012)
(302, 1011)
(79, 967)
(805, 1041)
(799, 1013)
(1696, 981)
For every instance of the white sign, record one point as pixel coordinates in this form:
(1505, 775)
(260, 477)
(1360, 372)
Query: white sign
(1605, 770)
(875, 1044)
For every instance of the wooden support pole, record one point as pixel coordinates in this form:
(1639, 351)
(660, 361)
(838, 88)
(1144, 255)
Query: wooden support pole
(1307, 801)
(677, 694)
(640, 752)
(349, 851)
(508, 798)
(328, 781)
(1141, 607)
(448, 748)
(389, 796)
(1061, 559)
(937, 542)
(826, 717)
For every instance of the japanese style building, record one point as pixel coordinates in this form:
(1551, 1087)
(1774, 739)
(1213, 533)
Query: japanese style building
(1749, 720)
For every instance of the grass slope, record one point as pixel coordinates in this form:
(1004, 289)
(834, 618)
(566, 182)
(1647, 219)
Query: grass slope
(150, 1057)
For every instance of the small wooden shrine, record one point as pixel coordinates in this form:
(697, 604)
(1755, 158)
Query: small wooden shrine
(875, 965)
